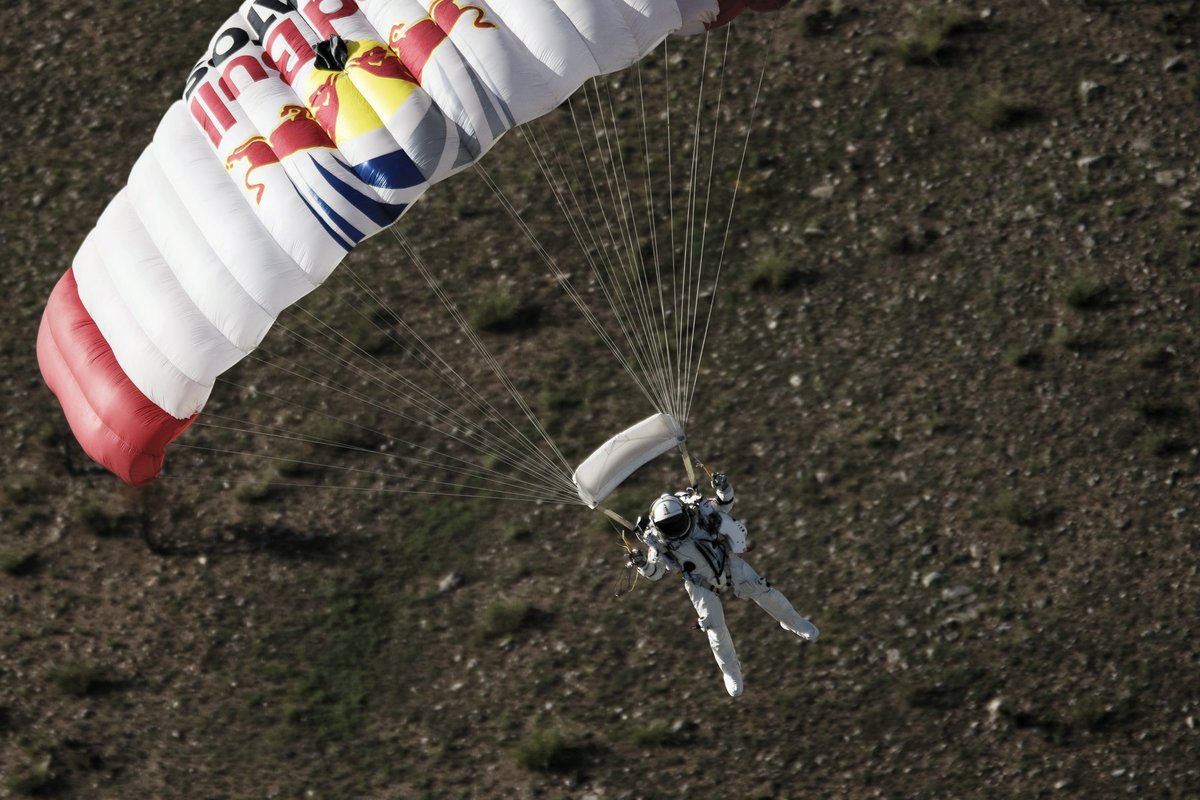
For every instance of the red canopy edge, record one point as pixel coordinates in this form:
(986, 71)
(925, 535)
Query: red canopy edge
(117, 425)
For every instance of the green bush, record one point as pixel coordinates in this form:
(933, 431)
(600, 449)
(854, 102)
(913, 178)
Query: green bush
(99, 520)
(32, 780)
(773, 273)
(996, 111)
(1068, 339)
(926, 42)
(506, 617)
(1022, 357)
(655, 733)
(17, 562)
(499, 311)
(1164, 443)
(77, 679)
(545, 750)
(1017, 511)
(1086, 293)
(255, 493)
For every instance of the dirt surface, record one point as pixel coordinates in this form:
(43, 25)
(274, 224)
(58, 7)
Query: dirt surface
(953, 375)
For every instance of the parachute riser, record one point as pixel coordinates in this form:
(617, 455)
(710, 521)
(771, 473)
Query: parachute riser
(617, 518)
(687, 463)
(690, 465)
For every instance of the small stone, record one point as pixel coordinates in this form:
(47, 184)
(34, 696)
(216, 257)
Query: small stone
(994, 706)
(1087, 162)
(1089, 89)
(1174, 64)
(1169, 177)
(930, 578)
(955, 592)
(450, 582)
(822, 192)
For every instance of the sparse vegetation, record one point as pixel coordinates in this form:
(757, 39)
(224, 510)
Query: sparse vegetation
(996, 111)
(256, 492)
(1071, 340)
(927, 39)
(1023, 357)
(773, 273)
(506, 617)
(1087, 293)
(545, 749)
(303, 643)
(951, 690)
(655, 733)
(823, 18)
(1018, 511)
(1164, 443)
(76, 678)
(499, 311)
(1155, 357)
(17, 562)
(33, 779)
(99, 520)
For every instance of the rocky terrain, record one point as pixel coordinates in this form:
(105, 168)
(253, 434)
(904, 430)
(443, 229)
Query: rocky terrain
(952, 373)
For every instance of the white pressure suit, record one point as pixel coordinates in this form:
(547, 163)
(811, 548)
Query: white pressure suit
(707, 556)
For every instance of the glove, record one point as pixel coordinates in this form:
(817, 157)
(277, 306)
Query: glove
(637, 558)
(720, 482)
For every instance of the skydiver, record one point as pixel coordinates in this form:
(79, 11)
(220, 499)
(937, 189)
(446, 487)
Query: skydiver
(695, 535)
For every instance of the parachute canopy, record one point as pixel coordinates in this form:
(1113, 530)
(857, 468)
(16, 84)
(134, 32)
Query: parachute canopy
(618, 458)
(308, 126)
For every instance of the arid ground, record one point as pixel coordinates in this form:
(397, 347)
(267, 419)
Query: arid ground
(952, 372)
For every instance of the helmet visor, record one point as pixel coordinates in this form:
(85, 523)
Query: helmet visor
(675, 525)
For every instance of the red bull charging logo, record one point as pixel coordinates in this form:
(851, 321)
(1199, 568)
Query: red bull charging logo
(417, 42)
(410, 48)
(299, 131)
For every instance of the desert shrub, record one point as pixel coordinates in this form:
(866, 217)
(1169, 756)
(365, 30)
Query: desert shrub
(774, 273)
(824, 18)
(76, 679)
(654, 733)
(506, 617)
(255, 492)
(98, 520)
(1086, 293)
(1022, 357)
(17, 562)
(951, 690)
(1158, 410)
(32, 780)
(499, 311)
(1155, 357)
(544, 749)
(1164, 443)
(1068, 339)
(926, 42)
(996, 111)
(1017, 511)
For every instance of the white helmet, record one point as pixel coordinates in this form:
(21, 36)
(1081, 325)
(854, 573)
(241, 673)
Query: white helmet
(670, 517)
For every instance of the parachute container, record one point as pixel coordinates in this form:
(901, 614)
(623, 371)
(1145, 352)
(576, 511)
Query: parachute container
(622, 455)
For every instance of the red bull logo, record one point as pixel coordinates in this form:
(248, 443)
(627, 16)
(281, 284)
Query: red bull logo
(299, 131)
(417, 42)
(377, 61)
